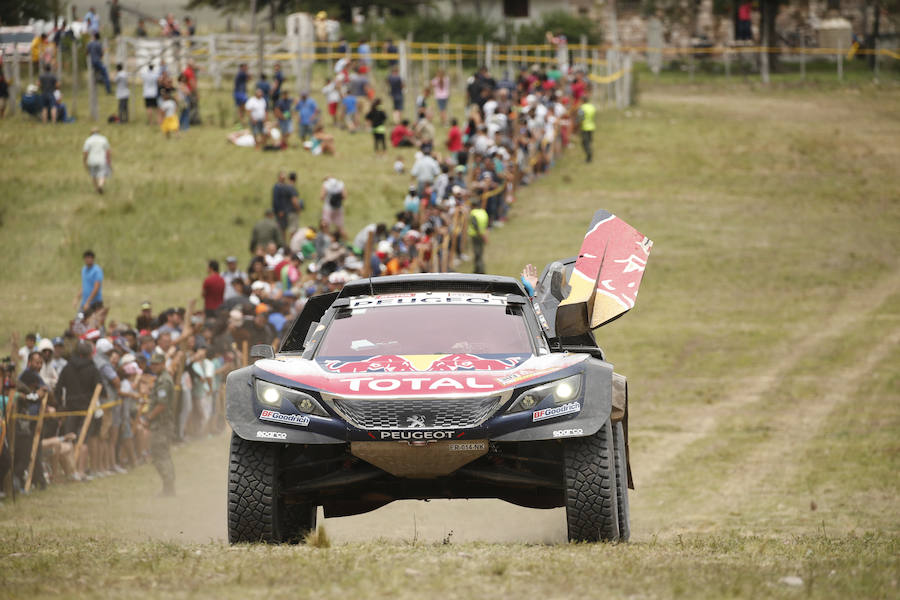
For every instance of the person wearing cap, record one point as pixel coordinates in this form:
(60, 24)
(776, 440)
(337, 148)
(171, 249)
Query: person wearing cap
(261, 332)
(146, 320)
(90, 299)
(478, 228)
(97, 158)
(230, 274)
(159, 419)
(112, 416)
(59, 360)
(32, 389)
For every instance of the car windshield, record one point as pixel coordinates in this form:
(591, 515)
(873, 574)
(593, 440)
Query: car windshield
(427, 329)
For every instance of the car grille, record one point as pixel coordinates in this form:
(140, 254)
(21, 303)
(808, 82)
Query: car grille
(433, 413)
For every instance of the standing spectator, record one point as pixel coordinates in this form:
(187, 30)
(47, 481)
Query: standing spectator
(122, 92)
(281, 202)
(586, 114)
(333, 195)
(231, 273)
(282, 110)
(37, 46)
(478, 225)
(4, 93)
(744, 27)
(90, 299)
(395, 87)
(277, 82)
(359, 87)
(159, 420)
(48, 102)
(92, 21)
(256, 108)
(184, 101)
(349, 103)
(58, 362)
(190, 29)
(240, 90)
(391, 48)
(95, 54)
(150, 80)
(365, 52)
(32, 390)
(296, 205)
(266, 87)
(140, 31)
(115, 17)
(213, 289)
(454, 138)
(307, 115)
(441, 87)
(104, 358)
(74, 390)
(97, 158)
(425, 169)
(376, 119)
(169, 109)
(266, 230)
(332, 97)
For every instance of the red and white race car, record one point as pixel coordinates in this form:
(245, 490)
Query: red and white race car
(442, 386)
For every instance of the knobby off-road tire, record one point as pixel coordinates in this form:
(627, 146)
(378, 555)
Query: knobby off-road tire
(590, 478)
(256, 512)
(622, 507)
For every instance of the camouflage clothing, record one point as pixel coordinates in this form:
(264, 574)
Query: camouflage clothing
(161, 429)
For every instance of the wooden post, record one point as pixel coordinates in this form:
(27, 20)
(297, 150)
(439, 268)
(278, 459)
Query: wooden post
(479, 52)
(12, 449)
(764, 52)
(30, 68)
(74, 78)
(840, 61)
(59, 65)
(92, 91)
(425, 67)
(35, 442)
(459, 67)
(6, 419)
(16, 87)
(444, 48)
(87, 422)
(726, 57)
(489, 56)
(803, 57)
(691, 63)
(584, 49)
(245, 352)
(260, 53)
(214, 63)
(609, 71)
(367, 255)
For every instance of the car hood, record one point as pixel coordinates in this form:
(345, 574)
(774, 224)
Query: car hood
(415, 375)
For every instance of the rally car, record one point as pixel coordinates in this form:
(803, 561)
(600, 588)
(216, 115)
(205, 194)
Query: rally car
(442, 386)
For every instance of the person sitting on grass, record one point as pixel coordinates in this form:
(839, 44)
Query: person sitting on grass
(402, 136)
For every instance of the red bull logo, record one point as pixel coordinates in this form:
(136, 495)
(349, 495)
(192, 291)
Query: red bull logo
(389, 363)
(472, 362)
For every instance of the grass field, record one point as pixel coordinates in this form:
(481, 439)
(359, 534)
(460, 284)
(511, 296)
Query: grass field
(762, 358)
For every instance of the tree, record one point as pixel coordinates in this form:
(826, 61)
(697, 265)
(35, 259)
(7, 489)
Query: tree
(339, 9)
(18, 12)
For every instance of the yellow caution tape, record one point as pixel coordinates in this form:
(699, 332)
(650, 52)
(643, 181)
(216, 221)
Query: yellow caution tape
(607, 78)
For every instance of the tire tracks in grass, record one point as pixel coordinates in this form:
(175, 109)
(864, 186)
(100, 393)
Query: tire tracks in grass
(654, 460)
(770, 467)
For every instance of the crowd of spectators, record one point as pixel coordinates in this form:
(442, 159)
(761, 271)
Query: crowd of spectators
(459, 188)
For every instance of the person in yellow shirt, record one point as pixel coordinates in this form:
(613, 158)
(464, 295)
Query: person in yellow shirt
(478, 231)
(37, 48)
(586, 114)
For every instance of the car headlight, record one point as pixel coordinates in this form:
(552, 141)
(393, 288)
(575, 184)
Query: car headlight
(561, 391)
(270, 394)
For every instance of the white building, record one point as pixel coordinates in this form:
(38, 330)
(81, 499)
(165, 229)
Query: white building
(498, 11)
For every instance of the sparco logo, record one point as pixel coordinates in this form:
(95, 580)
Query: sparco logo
(271, 435)
(556, 411)
(567, 432)
(417, 435)
(274, 415)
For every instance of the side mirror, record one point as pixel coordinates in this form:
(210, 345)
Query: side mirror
(262, 351)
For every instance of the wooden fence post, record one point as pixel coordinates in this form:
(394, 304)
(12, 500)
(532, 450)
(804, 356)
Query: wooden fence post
(35, 442)
(803, 57)
(92, 91)
(260, 53)
(459, 67)
(74, 78)
(479, 56)
(16, 87)
(214, 63)
(86, 423)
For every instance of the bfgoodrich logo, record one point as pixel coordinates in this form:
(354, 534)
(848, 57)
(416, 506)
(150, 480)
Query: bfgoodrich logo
(556, 411)
(277, 417)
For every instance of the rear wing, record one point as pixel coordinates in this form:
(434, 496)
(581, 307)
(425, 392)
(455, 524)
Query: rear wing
(604, 280)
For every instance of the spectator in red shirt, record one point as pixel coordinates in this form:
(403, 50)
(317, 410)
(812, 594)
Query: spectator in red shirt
(454, 136)
(579, 87)
(213, 289)
(402, 135)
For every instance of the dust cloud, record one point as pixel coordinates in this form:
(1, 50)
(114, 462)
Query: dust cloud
(197, 514)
